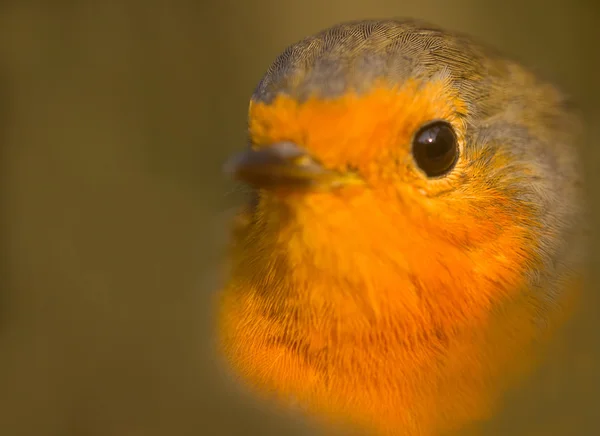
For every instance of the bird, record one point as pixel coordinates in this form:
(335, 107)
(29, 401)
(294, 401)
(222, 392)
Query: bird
(414, 230)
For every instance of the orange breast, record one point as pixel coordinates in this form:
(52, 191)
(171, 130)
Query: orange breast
(366, 346)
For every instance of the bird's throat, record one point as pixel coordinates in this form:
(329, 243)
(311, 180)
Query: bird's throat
(349, 331)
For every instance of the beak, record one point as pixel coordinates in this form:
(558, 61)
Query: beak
(284, 165)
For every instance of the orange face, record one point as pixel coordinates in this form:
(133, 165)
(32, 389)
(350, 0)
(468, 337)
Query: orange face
(385, 207)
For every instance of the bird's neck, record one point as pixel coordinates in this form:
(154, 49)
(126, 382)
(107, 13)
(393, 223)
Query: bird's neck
(369, 346)
(373, 323)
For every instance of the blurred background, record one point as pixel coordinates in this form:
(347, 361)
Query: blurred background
(115, 119)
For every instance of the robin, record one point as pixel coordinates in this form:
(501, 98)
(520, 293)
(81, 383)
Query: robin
(414, 228)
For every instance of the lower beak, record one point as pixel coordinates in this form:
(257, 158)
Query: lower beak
(284, 165)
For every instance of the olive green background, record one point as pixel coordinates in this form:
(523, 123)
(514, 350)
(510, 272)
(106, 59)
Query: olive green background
(115, 120)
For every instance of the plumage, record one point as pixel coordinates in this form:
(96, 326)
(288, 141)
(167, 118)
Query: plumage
(378, 295)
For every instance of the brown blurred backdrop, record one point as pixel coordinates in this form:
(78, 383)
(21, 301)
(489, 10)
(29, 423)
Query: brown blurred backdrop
(115, 119)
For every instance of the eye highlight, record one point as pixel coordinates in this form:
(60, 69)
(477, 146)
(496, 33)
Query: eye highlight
(435, 148)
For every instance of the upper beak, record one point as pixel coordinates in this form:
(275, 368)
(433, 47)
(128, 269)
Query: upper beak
(284, 165)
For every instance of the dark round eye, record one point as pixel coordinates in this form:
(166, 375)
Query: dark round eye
(435, 148)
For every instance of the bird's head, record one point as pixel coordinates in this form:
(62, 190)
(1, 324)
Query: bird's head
(383, 148)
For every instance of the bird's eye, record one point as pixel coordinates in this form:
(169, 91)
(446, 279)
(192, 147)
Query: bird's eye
(435, 148)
